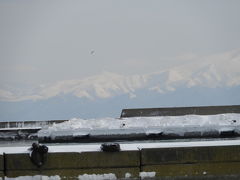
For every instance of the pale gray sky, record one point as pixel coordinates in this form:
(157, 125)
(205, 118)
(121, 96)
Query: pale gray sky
(55, 56)
(47, 41)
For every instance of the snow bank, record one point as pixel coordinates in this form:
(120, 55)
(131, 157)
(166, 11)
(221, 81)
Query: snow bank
(37, 177)
(147, 174)
(146, 122)
(109, 176)
(147, 125)
(128, 175)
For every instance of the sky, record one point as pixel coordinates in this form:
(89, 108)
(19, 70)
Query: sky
(45, 42)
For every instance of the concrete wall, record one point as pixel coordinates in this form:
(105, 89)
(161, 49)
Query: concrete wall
(74, 164)
(178, 111)
(174, 163)
(1, 166)
(192, 161)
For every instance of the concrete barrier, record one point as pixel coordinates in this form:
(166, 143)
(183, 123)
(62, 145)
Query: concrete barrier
(74, 164)
(192, 161)
(179, 111)
(1, 166)
(213, 162)
(190, 155)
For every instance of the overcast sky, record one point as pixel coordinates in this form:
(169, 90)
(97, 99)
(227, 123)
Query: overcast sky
(48, 41)
(92, 58)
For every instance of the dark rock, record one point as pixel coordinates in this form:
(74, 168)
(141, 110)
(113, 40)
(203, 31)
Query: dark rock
(38, 154)
(230, 133)
(110, 147)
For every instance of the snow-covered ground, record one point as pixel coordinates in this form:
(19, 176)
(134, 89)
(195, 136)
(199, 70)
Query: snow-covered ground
(109, 176)
(79, 148)
(37, 177)
(147, 125)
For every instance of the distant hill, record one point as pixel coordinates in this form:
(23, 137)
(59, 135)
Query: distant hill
(213, 80)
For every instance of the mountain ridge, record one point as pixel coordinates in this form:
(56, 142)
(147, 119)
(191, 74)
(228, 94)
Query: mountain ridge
(213, 71)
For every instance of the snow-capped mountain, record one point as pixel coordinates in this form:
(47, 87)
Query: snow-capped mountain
(220, 70)
(214, 71)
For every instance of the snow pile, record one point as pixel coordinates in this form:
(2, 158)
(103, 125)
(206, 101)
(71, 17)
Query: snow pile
(147, 125)
(109, 176)
(147, 174)
(146, 122)
(128, 175)
(37, 177)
